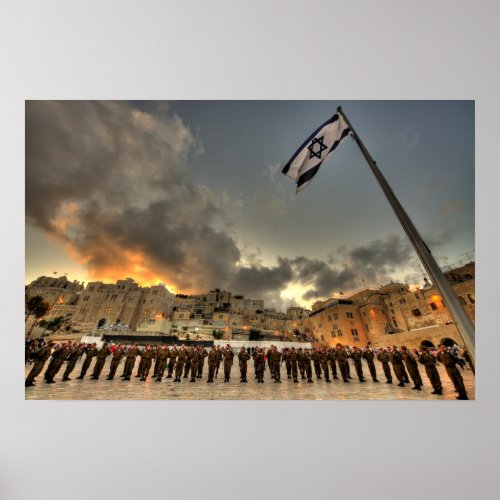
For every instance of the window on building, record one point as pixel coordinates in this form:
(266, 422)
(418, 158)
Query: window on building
(332, 334)
(329, 318)
(320, 326)
(433, 306)
(392, 311)
(416, 312)
(349, 315)
(394, 322)
(322, 338)
(339, 333)
(354, 331)
(471, 298)
(366, 326)
(335, 316)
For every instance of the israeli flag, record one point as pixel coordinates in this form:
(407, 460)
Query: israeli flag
(305, 163)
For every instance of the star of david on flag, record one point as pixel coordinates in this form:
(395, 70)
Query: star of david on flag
(307, 160)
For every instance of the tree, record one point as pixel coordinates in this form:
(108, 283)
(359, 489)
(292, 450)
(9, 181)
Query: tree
(31, 304)
(217, 334)
(39, 312)
(254, 334)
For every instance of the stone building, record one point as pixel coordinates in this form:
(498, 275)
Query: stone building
(394, 314)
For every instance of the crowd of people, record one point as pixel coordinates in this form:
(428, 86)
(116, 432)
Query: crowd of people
(183, 362)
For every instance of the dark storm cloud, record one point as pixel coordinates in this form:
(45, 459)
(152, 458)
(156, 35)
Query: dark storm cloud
(111, 182)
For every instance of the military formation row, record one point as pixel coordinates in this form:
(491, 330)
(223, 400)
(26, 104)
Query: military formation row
(182, 362)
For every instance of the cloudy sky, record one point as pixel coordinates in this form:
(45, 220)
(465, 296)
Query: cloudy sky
(190, 194)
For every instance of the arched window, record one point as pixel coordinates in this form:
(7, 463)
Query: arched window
(471, 298)
(462, 300)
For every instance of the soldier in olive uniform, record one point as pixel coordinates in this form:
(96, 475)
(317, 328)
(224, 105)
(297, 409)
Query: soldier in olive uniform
(187, 363)
(243, 358)
(323, 358)
(90, 354)
(195, 361)
(412, 367)
(317, 363)
(397, 365)
(171, 362)
(300, 360)
(261, 365)
(294, 363)
(179, 365)
(157, 352)
(163, 356)
(275, 356)
(450, 362)
(384, 358)
(357, 357)
(369, 355)
(58, 358)
(307, 365)
(147, 356)
(341, 356)
(220, 355)
(132, 354)
(429, 361)
(333, 363)
(288, 364)
(228, 363)
(100, 361)
(212, 364)
(40, 358)
(118, 354)
(203, 355)
(72, 359)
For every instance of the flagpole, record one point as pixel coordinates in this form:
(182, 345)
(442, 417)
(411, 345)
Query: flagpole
(462, 321)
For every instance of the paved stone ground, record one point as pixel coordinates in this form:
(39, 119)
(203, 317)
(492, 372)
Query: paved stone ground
(135, 390)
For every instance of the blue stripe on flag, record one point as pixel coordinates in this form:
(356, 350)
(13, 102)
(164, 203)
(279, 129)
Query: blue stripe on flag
(307, 176)
(334, 118)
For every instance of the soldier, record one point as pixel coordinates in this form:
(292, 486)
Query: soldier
(203, 355)
(116, 357)
(228, 363)
(219, 360)
(397, 365)
(341, 356)
(212, 364)
(58, 358)
(72, 358)
(412, 366)
(162, 357)
(195, 361)
(323, 358)
(147, 356)
(300, 360)
(288, 364)
(243, 357)
(275, 356)
(100, 361)
(179, 365)
(307, 365)
(132, 354)
(450, 361)
(357, 356)
(269, 364)
(261, 365)
(384, 358)
(293, 362)
(369, 355)
(171, 362)
(40, 358)
(317, 363)
(255, 352)
(158, 350)
(430, 361)
(333, 363)
(90, 354)
(187, 363)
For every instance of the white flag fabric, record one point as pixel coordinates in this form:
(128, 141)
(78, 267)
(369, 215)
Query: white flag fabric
(305, 163)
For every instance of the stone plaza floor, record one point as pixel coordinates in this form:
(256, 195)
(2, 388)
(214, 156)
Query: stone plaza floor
(102, 389)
